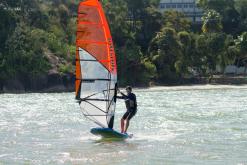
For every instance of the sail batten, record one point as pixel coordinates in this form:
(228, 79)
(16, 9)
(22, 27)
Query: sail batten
(96, 72)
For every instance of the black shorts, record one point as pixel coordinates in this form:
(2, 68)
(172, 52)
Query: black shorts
(129, 114)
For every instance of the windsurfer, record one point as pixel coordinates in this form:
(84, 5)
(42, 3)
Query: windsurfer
(131, 106)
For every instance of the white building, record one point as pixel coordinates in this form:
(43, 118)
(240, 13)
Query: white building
(188, 7)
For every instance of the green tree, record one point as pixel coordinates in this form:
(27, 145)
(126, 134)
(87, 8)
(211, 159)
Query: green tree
(211, 50)
(184, 61)
(117, 12)
(129, 60)
(231, 21)
(152, 22)
(217, 5)
(176, 20)
(200, 59)
(7, 23)
(241, 7)
(211, 22)
(228, 12)
(229, 52)
(165, 51)
(23, 56)
(131, 34)
(241, 44)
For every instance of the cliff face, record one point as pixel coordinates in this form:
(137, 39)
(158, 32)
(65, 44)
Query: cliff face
(52, 81)
(37, 45)
(41, 83)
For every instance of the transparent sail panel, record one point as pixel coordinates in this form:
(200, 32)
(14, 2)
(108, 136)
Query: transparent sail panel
(94, 111)
(97, 90)
(95, 77)
(112, 103)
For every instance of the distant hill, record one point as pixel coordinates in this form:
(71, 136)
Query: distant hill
(37, 43)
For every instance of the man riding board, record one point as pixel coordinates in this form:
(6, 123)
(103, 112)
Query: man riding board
(131, 106)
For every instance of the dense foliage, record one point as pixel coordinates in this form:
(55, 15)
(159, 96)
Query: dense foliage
(167, 47)
(31, 32)
(150, 45)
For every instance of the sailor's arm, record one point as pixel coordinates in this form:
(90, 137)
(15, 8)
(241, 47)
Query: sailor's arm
(120, 97)
(123, 95)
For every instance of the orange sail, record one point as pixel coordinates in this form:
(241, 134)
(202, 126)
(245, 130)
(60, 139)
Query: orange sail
(96, 69)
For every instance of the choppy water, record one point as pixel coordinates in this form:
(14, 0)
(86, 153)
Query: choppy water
(175, 125)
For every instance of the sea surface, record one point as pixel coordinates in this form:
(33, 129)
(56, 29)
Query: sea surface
(174, 125)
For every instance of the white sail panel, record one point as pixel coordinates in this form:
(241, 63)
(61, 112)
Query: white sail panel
(97, 90)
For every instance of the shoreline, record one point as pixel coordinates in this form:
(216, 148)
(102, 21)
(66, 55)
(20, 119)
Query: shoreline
(59, 86)
(154, 88)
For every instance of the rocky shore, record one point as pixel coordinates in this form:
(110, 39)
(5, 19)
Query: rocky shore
(52, 81)
(65, 83)
(42, 83)
(215, 80)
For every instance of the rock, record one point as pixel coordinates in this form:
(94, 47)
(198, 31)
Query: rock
(13, 86)
(54, 80)
(57, 88)
(1, 86)
(38, 83)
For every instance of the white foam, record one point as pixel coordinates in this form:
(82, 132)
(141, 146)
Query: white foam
(153, 137)
(89, 138)
(4, 155)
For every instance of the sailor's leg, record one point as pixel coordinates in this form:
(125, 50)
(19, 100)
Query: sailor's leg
(126, 125)
(122, 121)
(122, 125)
(130, 115)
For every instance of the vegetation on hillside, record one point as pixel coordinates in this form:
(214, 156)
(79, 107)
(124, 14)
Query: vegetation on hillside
(167, 47)
(150, 45)
(32, 32)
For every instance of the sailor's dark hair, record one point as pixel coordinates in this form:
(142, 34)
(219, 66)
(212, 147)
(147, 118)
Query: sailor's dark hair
(129, 87)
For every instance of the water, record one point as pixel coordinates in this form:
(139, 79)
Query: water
(174, 125)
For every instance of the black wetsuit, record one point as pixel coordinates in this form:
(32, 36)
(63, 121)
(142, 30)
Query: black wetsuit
(131, 109)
